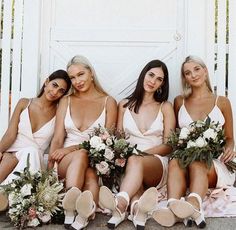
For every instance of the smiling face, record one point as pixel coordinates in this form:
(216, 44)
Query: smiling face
(153, 79)
(81, 77)
(194, 74)
(55, 89)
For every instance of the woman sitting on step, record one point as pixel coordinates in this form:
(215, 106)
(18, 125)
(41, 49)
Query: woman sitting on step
(77, 116)
(148, 118)
(30, 130)
(197, 103)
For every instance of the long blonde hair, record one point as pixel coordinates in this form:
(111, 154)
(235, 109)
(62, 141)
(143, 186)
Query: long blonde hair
(81, 60)
(187, 90)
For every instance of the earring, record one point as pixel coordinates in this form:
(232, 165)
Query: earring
(159, 91)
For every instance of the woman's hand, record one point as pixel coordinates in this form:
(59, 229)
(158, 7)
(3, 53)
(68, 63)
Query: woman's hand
(59, 154)
(227, 155)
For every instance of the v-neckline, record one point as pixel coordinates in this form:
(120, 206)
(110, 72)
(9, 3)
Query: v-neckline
(41, 126)
(89, 126)
(198, 119)
(150, 125)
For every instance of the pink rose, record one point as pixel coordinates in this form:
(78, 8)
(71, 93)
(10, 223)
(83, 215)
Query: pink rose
(120, 162)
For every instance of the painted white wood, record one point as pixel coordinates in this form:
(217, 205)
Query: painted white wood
(6, 62)
(210, 41)
(221, 48)
(117, 42)
(232, 58)
(0, 23)
(31, 48)
(16, 53)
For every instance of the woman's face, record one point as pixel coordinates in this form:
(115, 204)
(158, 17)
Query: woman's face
(81, 77)
(55, 89)
(194, 74)
(153, 79)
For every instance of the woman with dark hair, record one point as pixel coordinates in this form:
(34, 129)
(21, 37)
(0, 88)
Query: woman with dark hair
(148, 118)
(30, 130)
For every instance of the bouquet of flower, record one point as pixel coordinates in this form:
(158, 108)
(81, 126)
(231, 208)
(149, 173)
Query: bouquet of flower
(201, 141)
(108, 153)
(33, 197)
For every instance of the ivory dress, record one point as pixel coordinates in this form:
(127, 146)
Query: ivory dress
(222, 200)
(27, 142)
(75, 136)
(150, 138)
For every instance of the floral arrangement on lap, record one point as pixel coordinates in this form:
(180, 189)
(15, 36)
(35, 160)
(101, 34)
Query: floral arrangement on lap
(108, 154)
(201, 141)
(33, 197)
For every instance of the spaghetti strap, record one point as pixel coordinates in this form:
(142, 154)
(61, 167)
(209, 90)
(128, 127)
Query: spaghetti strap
(216, 100)
(183, 101)
(30, 100)
(106, 101)
(161, 106)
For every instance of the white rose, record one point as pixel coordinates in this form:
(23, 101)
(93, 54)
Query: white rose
(26, 190)
(95, 141)
(12, 199)
(191, 144)
(33, 223)
(100, 147)
(109, 141)
(200, 142)
(210, 133)
(109, 154)
(184, 133)
(103, 167)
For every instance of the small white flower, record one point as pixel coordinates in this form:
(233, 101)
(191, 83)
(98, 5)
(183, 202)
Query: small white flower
(33, 223)
(100, 147)
(95, 141)
(45, 217)
(108, 154)
(26, 190)
(200, 142)
(191, 144)
(200, 123)
(184, 133)
(210, 133)
(109, 141)
(103, 167)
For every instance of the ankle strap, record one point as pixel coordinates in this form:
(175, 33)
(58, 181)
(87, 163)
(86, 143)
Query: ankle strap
(197, 196)
(124, 195)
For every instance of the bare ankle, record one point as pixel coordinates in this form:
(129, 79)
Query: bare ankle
(122, 204)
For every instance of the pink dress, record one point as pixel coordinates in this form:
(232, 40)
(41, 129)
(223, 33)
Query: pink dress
(27, 142)
(150, 138)
(219, 201)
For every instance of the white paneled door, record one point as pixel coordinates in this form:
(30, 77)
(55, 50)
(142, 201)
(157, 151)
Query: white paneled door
(118, 37)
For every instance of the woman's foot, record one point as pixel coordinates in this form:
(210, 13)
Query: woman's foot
(186, 209)
(140, 208)
(109, 201)
(68, 204)
(85, 207)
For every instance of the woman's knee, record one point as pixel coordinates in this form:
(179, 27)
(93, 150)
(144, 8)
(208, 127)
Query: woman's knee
(91, 174)
(174, 165)
(134, 160)
(80, 156)
(198, 166)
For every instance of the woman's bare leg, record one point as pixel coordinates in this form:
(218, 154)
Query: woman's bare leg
(73, 167)
(7, 164)
(91, 184)
(140, 171)
(176, 182)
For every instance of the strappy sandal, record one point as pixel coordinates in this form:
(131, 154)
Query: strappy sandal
(183, 209)
(165, 217)
(85, 207)
(68, 204)
(109, 201)
(145, 204)
(3, 201)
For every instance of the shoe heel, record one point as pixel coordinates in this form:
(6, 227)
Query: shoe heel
(140, 227)
(111, 225)
(188, 222)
